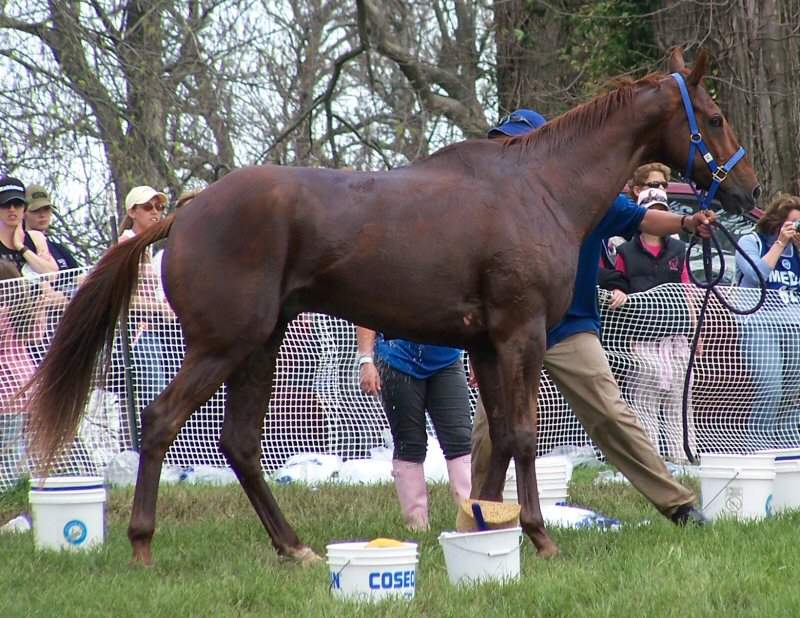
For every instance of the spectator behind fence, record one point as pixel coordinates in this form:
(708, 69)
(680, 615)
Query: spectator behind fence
(771, 336)
(412, 378)
(38, 217)
(657, 388)
(577, 364)
(23, 304)
(144, 207)
(608, 277)
(26, 250)
(183, 199)
(652, 175)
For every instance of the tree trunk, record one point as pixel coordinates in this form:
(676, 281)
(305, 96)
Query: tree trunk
(530, 38)
(755, 46)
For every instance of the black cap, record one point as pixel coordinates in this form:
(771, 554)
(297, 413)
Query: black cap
(11, 189)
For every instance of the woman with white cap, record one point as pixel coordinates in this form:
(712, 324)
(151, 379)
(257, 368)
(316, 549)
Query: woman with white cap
(144, 207)
(660, 337)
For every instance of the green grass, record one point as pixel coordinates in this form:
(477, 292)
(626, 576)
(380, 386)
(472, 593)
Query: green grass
(214, 559)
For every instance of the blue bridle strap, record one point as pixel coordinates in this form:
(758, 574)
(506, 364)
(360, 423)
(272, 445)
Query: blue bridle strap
(718, 174)
(696, 142)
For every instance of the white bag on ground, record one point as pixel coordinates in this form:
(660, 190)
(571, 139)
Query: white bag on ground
(365, 471)
(122, 470)
(170, 474)
(19, 524)
(309, 468)
(381, 453)
(210, 475)
(574, 517)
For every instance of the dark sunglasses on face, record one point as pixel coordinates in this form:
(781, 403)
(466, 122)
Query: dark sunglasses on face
(149, 206)
(8, 205)
(656, 184)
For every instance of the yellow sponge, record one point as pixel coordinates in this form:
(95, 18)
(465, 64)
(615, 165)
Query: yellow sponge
(380, 542)
(497, 515)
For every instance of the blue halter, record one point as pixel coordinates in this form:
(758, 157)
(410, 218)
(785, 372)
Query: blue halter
(718, 174)
(696, 142)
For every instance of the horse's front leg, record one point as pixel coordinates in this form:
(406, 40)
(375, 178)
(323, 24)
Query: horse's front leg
(490, 448)
(513, 424)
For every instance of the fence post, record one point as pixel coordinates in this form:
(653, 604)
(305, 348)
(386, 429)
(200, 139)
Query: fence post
(130, 394)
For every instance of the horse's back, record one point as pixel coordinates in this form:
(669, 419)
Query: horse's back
(357, 243)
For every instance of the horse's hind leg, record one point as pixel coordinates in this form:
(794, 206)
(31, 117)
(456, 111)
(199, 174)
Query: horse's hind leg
(248, 392)
(490, 447)
(519, 362)
(198, 379)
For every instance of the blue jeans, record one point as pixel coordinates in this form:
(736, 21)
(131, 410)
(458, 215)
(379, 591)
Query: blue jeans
(149, 375)
(772, 357)
(444, 395)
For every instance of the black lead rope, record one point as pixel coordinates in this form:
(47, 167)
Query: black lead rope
(710, 286)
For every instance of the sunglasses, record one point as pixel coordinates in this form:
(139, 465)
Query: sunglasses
(8, 205)
(656, 184)
(147, 207)
(516, 118)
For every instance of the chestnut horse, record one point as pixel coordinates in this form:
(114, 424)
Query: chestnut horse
(475, 246)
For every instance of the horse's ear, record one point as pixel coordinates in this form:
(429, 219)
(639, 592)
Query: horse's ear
(675, 63)
(699, 69)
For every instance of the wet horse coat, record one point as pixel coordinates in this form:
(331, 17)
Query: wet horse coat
(474, 247)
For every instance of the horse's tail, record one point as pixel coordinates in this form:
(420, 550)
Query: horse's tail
(186, 197)
(59, 388)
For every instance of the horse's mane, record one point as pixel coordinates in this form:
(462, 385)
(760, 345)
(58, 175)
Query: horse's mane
(566, 128)
(588, 116)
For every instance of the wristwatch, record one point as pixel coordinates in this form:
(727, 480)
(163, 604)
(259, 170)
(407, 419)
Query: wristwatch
(364, 359)
(24, 250)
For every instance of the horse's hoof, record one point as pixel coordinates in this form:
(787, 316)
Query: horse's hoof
(142, 558)
(547, 551)
(304, 556)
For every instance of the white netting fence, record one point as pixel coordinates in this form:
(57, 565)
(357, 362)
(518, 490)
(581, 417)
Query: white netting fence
(744, 393)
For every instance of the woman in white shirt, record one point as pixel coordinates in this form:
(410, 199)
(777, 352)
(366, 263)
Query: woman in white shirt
(148, 309)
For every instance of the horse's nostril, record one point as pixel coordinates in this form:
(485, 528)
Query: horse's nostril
(757, 192)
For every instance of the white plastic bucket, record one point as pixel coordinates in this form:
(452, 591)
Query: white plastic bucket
(68, 512)
(548, 496)
(737, 486)
(473, 557)
(786, 491)
(362, 573)
(552, 479)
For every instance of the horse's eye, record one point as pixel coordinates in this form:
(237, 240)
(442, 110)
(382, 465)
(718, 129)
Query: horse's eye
(716, 121)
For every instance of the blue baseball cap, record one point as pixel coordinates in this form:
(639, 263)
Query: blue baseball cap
(518, 122)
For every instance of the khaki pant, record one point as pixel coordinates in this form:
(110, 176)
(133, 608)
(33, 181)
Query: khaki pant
(579, 368)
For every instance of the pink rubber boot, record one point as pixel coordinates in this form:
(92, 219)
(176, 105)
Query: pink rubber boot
(458, 470)
(412, 492)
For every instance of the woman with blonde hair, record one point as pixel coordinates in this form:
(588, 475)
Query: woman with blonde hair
(144, 207)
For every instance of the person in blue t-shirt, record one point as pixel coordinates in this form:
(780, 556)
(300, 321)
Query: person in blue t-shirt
(771, 337)
(411, 379)
(577, 364)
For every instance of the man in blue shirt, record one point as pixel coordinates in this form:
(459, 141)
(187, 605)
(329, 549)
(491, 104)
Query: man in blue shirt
(577, 364)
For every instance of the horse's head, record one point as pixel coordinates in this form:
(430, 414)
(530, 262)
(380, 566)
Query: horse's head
(738, 190)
